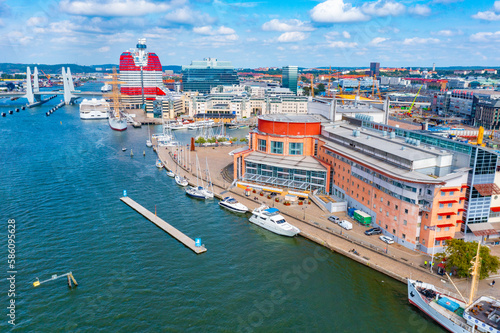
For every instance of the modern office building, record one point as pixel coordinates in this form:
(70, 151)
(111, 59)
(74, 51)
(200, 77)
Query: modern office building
(487, 112)
(290, 78)
(420, 189)
(374, 68)
(202, 76)
(141, 75)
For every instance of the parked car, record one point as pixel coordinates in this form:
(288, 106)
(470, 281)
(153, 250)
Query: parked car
(345, 224)
(373, 231)
(386, 239)
(333, 219)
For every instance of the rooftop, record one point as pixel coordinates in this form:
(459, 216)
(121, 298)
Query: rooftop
(292, 118)
(291, 162)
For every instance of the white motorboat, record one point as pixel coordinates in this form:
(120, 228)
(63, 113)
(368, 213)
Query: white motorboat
(94, 109)
(106, 88)
(170, 173)
(179, 126)
(272, 220)
(233, 205)
(181, 181)
(149, 144)
(159, 164)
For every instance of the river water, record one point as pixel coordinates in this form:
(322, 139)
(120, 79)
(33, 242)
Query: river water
(61, 179)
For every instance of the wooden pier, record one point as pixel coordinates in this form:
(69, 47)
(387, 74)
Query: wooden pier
(188, 242)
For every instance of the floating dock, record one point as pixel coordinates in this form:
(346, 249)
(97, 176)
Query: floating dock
(188, 242)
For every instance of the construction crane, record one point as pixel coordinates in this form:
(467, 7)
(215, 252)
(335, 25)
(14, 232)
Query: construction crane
(312, 85)
(47, 76)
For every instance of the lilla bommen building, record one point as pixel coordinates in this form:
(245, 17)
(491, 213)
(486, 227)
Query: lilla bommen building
(419, 188)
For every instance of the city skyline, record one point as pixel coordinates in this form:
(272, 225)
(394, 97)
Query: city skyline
(255, 34)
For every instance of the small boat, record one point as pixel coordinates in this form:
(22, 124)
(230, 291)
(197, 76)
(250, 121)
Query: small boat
(271, 219)
(181, 181)
(159, 164)
(170, 173)
(124, 149)
(149, 144)
(233, 205)
(199, 192)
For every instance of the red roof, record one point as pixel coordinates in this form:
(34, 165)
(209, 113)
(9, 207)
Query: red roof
(449, 213)
(495, 209)
(450, 189)
(448, 201)
(446, 225)
(443, 238)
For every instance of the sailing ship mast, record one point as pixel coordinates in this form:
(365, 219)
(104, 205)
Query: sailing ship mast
(475, 270)
(115, 93)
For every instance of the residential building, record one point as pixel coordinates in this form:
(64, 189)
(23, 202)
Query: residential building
(487, 112)
(290, 78)
(201, 76)
(374, 68)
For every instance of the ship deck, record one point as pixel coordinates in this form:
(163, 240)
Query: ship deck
(487, 311)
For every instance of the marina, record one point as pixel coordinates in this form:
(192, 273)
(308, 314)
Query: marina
(125, 260)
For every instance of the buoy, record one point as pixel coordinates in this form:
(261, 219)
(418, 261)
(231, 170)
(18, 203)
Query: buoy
(197, 242)
(131, 153)
(11, 112)
(23, 108)
(143, 153)
(47, 114)
(3, 114)
(17, 110)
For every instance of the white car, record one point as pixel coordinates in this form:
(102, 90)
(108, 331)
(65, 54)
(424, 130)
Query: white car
(386, 239)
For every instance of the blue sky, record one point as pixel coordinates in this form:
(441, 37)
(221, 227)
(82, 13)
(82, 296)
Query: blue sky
(257, 33)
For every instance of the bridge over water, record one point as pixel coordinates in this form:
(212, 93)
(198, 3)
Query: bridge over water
(34, 95)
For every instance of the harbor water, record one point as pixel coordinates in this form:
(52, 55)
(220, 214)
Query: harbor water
(61, 179)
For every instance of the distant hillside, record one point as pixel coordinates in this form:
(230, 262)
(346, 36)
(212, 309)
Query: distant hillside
(11, 68)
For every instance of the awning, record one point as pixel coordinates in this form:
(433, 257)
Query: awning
(443, 238)
(446, 225)
(450, 189)
(487, 189)
(482, 229)
(461, 209)
(463, 198)
(465, 186)
(495, 209)
(448, 201)
(446, 214)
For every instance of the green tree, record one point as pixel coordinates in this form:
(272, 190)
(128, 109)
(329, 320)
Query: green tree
(243, 140)
(212, 139)
(321, 87)
(458, 256)
(200, 140)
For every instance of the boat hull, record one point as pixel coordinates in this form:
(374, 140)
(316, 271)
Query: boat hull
(273, 228)
(195, 194)
(232, 208)
(117, 124)
(94, 115)
(415, 298)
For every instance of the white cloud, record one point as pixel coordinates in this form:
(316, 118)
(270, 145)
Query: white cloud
(292, 36)
(377, 40)
(445, 33)
(447, 1)
(343, 45)
(185, 15)
(383, 8)
(336, 11)
(36, 21)
(112, 7)
(485, 36)
(421, 10)
(332, 35)
(346, 34)
(104, 49)
(209, 30)
(496, 6)
(287, 25)
(419, 40)
(251, 39)
(487, 16)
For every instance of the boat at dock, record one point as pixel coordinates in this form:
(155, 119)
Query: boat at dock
(94, 109)
(117, 121)
(181, 181)
(159, 164)
(233, 205)
(170, 173)
(454, 312)
(200, 191)
(272, 220)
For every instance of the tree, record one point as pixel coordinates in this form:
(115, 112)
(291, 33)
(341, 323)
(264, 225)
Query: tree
(458, 256)
(321, 87)
(243, 140)
(200, 140)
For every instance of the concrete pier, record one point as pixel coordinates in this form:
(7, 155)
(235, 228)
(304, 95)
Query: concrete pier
(188, 242)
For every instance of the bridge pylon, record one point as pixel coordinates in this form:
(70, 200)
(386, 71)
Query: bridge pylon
(69, 86)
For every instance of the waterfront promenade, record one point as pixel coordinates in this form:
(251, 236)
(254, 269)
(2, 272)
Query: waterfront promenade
(393, 260)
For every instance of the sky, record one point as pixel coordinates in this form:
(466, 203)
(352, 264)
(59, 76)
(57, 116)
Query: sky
(251, 34)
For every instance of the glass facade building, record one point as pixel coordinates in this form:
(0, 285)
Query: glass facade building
(203, 75)
(290, 78)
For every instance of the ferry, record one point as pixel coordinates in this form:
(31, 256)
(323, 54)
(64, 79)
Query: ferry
(94, 109)
(233, 205)
(271, 219)
(454, 312)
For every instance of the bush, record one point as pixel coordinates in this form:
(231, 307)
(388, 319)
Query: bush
(200, 140)
(211, 140)
(222, 139)
(243, 140)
